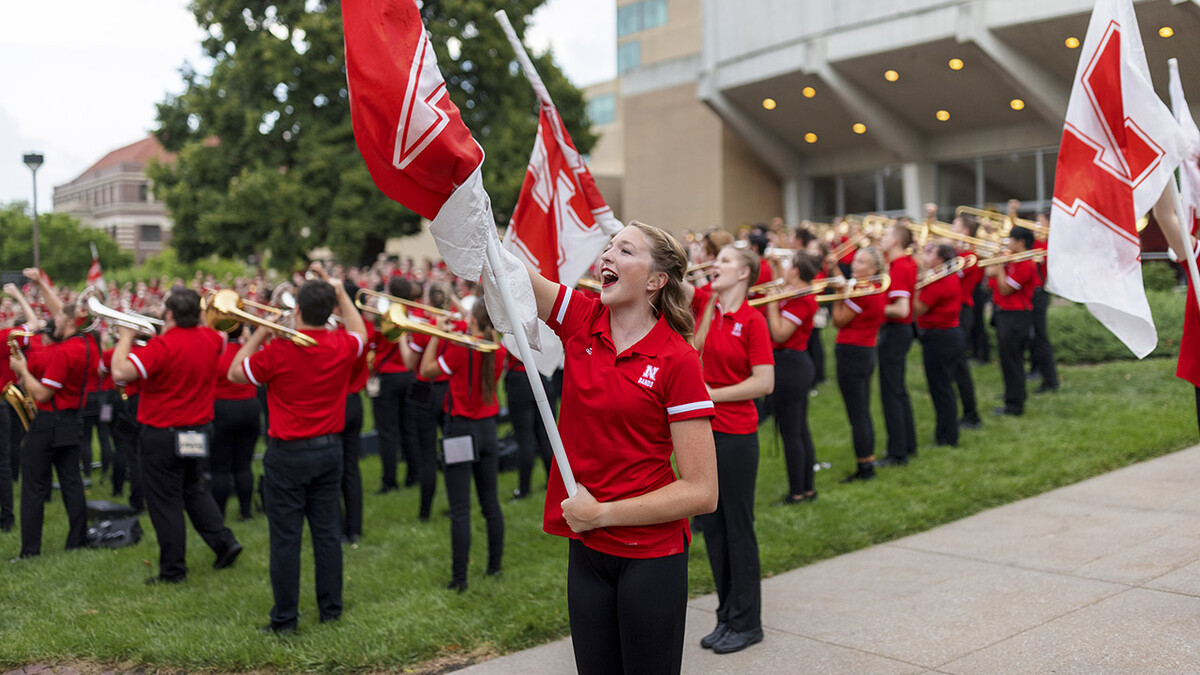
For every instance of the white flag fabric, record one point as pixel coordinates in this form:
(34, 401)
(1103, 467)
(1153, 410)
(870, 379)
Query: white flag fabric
(1189, 171)
(1120, 145)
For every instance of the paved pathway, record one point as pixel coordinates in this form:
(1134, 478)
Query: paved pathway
(1098, 577)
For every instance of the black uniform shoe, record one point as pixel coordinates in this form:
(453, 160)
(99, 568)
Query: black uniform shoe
(788, 500)
(1006, 411)
(228, 556)
(734, 641)
(1046, 388)
(714, 637)
(970, 423)
(860, 475)
(460, 586)
(271, 629)
(891, 461)
(160, 579)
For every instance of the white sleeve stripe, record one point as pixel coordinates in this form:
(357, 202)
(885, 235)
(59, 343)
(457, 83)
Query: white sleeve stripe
(415, 347)
(793, 318)
(562, 309)
(137, 363)
(688, 407)
(899, 294)
(1012, 282)
(445, 368)
(361, 345)
(249, 374)
(854, 306)
(51, 383)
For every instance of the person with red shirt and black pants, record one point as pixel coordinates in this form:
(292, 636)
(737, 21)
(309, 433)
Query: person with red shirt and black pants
(937, 307)
(1188, 367)
(352, 489)
(97, 416)
(472, 409)
(1041, 352)
(858, 321)
(237, 423)
(1012, 296)
(57, 379)
(302, 471)
(390, 406)
(8, 418)
(532, 441)
(968, 283)
(738, 366)
(424, 406)
(895, 339)
(125, 430)
(633, 397)
(178, 378)
(791, 325)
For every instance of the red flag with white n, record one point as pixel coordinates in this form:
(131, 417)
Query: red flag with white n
(1120, 145)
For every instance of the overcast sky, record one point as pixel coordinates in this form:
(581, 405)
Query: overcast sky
(79, 78)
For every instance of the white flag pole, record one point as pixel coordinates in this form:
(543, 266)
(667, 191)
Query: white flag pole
(1181, 215)
(535, 378)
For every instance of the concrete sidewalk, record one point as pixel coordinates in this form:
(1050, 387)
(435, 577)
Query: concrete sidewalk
(1098, 577)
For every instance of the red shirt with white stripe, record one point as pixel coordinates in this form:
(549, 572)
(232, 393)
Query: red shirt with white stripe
(306, 386)
(464, 367)
(944, 298)
(903, 272)
(736, 342)
(131, 388)
(1022, 276)
(178, 370)
(863, 329)
(359, 374)
(388, 358)
(62, 367)
(616, 413)
(227, 390)
(799, 311)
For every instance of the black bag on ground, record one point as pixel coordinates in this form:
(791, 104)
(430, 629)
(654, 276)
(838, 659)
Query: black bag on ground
(115, 533)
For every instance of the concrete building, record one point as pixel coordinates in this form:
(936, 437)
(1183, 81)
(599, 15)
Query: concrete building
(114, 195)
(734, 111)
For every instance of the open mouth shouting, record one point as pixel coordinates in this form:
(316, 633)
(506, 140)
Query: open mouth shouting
(607, 277)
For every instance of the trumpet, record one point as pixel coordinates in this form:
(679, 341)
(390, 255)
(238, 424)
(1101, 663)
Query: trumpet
(394, 322)
(947, 268)
(765, 286)
(224, 310)
(850, 244)
(89, 306)
(1031, 254)
(25, 406)
(857, 288)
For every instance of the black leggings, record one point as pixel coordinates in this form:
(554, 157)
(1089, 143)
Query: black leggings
(941, 350)
(627, 615)
(793, 380)
(235, 433)
(458, 491)
(422, 417)
(729, 533)
(854, 367)
(532, 441)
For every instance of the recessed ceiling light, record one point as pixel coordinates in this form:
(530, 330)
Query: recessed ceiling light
(768, 103)
(1016, 104)
(859, 128)
(943, 115)
(891, 75)
(1072, 42)
(810, 137)
(808, 92)
(1166, 32)
(956, 64)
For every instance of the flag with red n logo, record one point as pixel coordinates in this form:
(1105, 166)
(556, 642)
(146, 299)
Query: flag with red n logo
(1120, 145)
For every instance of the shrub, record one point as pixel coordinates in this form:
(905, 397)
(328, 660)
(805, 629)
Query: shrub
(166, 264)
(1079, 338)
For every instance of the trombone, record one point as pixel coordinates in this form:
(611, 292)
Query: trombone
(983, 245)
(394, 322)
(1005, 221)
(88, 305)
(224, 310)
(854, 289)
(25, 406)
(1031, 254)
(813, 288)
(697, 270)
(947, 268)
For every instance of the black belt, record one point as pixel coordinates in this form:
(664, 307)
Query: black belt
(303, 443)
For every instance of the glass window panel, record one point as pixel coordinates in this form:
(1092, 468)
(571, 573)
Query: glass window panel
(629, 19)
(654, 13)
(955, 187)
(1012, 176)
(893, 188)
(603, 109)
(1049, 163)
(860, 192)
(629, 56)
(824, 198)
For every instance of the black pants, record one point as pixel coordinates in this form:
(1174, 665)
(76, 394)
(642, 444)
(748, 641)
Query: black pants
(854, 367)
(895, 339)
(1012, 337)
(422, 419)
(627, 615)
(793, 380)
(126, 431)
(6, 476)
(391, 422)
(235, 433)
(962, 368)
(99, 405)
(729, 533)
(485, 471)
(16, 434)
(301, 484)
(1041, 351)
(532, 441)
(352, 488)
(941, 351)
(174, 486)
(37, 458)
(978, 342)
(816, 351)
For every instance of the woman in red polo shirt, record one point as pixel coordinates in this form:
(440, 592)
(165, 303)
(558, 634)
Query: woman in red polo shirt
(471, 408)
(858, 321)
(236, 428)
(791, 326)
(633, 397)
(937, 309)
(735, 348)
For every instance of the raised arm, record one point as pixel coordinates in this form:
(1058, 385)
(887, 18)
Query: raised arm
(49, 297)
(545, 291)
(32, 320)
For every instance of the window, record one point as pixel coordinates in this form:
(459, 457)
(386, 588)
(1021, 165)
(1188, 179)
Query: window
(860, 192)
(825, 198)
(654, 13)
(892, 178)
(1010, 177)
(602, 109)
(955, 186)
(639, 16)
(989, 182)
(629, 56)
(149, 233)
(143, 193)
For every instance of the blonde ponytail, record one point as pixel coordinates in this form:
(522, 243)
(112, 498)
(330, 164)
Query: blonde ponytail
(670, 301)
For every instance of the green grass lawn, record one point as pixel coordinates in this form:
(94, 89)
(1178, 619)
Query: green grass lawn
(92, 607)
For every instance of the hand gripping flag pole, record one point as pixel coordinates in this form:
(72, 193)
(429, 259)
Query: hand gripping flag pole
(1188, 172)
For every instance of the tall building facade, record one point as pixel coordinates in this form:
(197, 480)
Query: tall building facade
(115, 195)
(734, 111)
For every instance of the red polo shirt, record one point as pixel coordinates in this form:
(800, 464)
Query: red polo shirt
(1021, 276)
(226, 390)
(388, 358)
(736, 342)
(863, 329)
(62, 367)
(969, 279)
(131, 388)
(179, 377)
(6, 374)
(306, 386)
(616, 414)
(465, 370)
(799, 311)
(765, 273)
(903, 272)
(360, 372)
(944, 298)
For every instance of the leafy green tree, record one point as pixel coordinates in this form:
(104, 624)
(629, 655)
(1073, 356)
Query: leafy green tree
(64, 248)
(265, 151)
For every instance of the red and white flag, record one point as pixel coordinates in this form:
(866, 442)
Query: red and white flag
(1120, 145)
(95, 276)
(419, 151)
(1189, 170)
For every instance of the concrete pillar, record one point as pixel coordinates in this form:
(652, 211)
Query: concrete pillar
(918, 187)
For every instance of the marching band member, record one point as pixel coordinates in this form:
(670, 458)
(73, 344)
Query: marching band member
(1041, 352)
(968, 316)
(1188, 367)
(532, 441)
(178, 384)
(791, 323)
(423, 412)
(738, 367)
(8, 418)
(237, 417)
(858, 321)
(633, 396)
(895, 340)
(351, 486)
(125, 430)
(1012, 295)
(302, 471)
(937, 308)
(472, 409)
(395, 380)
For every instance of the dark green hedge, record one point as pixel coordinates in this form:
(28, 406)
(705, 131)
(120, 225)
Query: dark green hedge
(1079, 338)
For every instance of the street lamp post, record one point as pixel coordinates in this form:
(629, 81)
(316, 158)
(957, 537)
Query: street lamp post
(33, 160)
